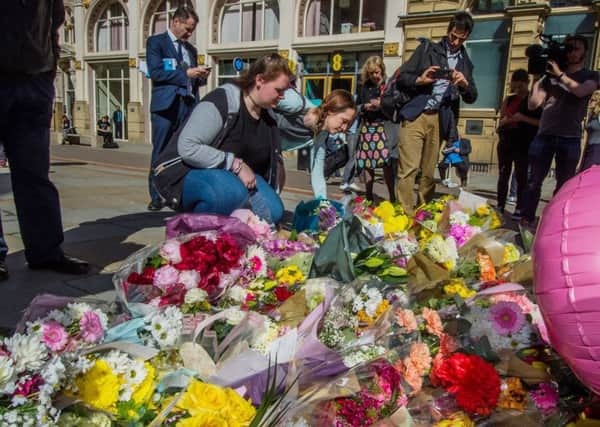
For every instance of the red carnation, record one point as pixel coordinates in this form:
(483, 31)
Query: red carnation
(175, 295)
(145, 278)
(282, 293)
(474, 382)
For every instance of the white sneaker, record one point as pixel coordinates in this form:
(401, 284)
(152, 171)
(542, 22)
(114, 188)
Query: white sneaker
(511, 200)
(452, 184)
(445, 182)
(349, 187)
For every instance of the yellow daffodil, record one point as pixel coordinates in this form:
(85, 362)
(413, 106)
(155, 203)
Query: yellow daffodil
(385, 210)
(483, 210)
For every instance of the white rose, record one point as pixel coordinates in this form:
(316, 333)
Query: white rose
(195, 295)
(189, 278)
(234, 316)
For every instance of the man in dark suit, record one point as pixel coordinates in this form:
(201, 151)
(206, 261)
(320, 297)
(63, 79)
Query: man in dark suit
(29, 52)
(176, 77)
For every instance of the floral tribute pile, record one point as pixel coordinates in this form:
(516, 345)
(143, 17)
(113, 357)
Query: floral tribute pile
(225, 324)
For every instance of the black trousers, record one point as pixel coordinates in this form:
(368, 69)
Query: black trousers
(25, 113)
(511, 153)
(462, 171)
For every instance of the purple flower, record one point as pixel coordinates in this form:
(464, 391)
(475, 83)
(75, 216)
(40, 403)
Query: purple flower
(281, 248)
(327, 218)
(506, 317)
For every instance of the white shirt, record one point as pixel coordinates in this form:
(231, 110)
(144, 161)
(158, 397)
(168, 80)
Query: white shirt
(186, 54)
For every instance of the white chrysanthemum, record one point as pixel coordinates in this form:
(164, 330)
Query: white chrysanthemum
(237, 294)
(165, 326)
(60, 316)
(118, 362)
(358, 304)
(189, 279)
(371, 307)
(54, 371)
(195, 295)
(234, 315)
(34, 327)
(373, 294)
(76, 310)
(27, 351)
(459, 218)
(7, 373)
(135, 374)
(18, 400)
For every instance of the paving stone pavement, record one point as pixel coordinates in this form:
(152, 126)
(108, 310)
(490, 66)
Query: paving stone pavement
(103, 198)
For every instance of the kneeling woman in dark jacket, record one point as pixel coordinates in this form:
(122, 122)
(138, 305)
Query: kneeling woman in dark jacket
(231, 142)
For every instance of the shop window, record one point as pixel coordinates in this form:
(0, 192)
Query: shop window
(487, 47)
(161, 19)
(226, 71)
(559, 26)
(490, 6)
(111, 90)
(111, 29)
(249, 20)
(327, 17)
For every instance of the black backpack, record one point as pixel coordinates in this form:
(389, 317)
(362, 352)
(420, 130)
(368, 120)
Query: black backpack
(393, 99)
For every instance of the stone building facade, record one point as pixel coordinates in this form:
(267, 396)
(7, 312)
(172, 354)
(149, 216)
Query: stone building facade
(326, 41)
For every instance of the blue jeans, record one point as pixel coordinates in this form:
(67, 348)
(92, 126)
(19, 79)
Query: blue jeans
(317, 171)
(221, 192)
(25, 113)
(543, 149)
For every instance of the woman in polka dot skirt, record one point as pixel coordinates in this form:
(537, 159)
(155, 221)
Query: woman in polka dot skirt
(374, 148)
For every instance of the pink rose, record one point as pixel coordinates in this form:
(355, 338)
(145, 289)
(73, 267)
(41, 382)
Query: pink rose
(54, 336)
(260, 228)
(90, 327)
(165, 277)
(189, 279)
(170, 251)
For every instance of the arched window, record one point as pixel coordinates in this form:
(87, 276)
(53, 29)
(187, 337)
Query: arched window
(111, 29)
(69, 27)
(162, 17)
(327, 17)
(249, 20)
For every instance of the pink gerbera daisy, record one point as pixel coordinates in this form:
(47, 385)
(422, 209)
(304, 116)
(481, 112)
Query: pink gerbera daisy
(506, 317)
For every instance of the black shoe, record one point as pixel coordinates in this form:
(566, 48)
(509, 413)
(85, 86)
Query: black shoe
(65, 265)
(3, 271)
(155, 205)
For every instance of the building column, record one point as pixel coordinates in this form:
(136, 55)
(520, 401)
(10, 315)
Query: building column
(394, 35)
(201, 39)
(81, 118)
(134, 111)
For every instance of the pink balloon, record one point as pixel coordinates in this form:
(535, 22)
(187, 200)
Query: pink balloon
(566, 257)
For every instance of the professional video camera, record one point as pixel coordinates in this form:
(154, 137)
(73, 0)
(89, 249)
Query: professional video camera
(539, 55)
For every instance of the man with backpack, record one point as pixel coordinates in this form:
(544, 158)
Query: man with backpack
(430, 85)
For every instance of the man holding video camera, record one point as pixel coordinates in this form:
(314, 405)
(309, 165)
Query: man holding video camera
(435, 78)
(563, 93)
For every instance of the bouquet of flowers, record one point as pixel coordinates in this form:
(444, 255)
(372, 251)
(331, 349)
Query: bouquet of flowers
(161, 276)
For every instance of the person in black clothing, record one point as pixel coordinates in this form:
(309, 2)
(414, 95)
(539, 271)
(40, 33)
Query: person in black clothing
(517, 128)
(104, 130)
(374, 139)
(29, 52)
(456, 154)
(118, 121)
(436, 77)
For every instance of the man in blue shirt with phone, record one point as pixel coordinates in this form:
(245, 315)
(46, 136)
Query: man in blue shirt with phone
(176, 77)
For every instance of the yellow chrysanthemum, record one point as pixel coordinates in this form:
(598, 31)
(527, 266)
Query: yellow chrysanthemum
(396, 224)
(459, 288)
(385, 211)
(99, 387)
(143, 392)
(482, 210)
(511, 253)
(495, 223)
(459, 419)
(290, 275)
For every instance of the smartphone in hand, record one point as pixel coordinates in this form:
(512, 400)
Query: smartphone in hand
(442, 73)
